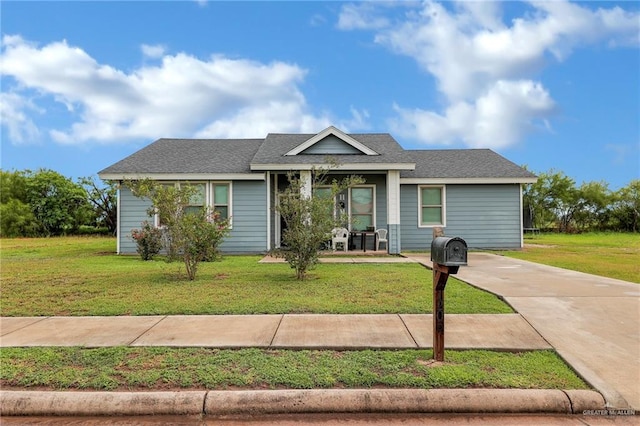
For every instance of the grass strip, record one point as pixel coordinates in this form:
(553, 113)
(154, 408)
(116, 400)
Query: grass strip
(161, 368)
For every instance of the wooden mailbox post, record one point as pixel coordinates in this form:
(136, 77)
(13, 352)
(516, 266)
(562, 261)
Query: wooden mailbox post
(447, 254)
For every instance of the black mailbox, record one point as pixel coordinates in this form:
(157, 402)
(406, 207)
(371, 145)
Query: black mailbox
(449, 251)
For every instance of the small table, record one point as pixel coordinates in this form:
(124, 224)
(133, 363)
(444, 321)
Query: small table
(363, 238)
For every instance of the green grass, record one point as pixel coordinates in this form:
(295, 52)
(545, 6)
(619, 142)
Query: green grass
(84, 276)
(123, 368)
(614, 255)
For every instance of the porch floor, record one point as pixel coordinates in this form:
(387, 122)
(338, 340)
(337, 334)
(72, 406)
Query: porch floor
(351, 256)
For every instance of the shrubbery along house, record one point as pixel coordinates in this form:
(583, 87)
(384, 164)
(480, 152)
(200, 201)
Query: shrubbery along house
(472, 193)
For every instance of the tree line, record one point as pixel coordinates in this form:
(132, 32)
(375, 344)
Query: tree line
(46, 203)
(555, 202)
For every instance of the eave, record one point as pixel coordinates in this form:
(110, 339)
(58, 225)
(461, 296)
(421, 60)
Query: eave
(182, 176)
(469, 181)
(348, 166)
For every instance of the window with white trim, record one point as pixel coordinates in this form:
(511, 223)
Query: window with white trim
(221, 198)
(199, 199)
(431, 206)
(217, 195)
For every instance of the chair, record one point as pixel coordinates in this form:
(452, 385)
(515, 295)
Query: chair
(382, 238)
(340, 236)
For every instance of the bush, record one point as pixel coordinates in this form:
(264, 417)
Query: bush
(200, 235)
(148, 240)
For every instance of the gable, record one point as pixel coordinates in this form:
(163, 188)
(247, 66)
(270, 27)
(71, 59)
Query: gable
(332, 145)
(338, 140)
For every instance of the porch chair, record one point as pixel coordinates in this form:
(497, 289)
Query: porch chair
(382, 238)
(340, 236)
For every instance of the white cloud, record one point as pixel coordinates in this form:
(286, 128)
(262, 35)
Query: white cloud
(360, 16)
(497, 119)
(483, 65)
(22, 130)
(182, 96)
(153, 51)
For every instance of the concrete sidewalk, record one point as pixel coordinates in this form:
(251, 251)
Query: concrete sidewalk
(593, 322)
(405, 331)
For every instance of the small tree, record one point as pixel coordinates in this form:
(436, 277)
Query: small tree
(200, 233)
(309, 219)
(192, 236)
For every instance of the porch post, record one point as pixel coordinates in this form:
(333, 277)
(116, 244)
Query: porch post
(393, 211)
(305, 179)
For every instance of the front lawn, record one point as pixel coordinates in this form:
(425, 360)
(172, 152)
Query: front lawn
(613, 255)
(84, 276)
(126, 368)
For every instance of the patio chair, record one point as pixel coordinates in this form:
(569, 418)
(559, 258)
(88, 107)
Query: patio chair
(340, 236)
(382, 238)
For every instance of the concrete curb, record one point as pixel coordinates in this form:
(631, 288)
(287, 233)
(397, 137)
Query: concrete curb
(217, 403)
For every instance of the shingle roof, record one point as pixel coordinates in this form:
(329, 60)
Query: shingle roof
(222, 156)
(463, 163)
(190, 156)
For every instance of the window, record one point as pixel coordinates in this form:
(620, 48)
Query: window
(362, 207)
(431, 204)
(214, 194)
(198, 200)
(221, 199)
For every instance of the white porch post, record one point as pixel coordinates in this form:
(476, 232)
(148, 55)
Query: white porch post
(305, 179)
(393, 211)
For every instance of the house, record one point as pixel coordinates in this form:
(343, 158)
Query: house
(472, 193)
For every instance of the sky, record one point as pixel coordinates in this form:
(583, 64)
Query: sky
(551, 85)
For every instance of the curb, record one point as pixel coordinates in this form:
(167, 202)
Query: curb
(218, 403)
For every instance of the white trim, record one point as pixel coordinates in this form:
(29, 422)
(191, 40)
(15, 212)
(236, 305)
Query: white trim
(306, 184)
(331, 130)
(443, 193)
(486, 181)
(347, 166)
(521, 219)
(268, 209)
(393, 197)
(183, 176)
(118, 220)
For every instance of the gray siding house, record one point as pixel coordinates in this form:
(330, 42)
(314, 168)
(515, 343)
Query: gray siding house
(472, 193)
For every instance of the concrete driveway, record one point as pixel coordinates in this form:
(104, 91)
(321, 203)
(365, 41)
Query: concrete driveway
(593, 322)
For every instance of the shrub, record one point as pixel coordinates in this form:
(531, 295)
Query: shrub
(200, 235)
(148, 240)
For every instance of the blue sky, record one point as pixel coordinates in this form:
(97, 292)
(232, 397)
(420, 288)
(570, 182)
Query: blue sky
(550, 85)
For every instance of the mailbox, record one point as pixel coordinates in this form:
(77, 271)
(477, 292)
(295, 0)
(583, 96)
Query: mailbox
(449, 251)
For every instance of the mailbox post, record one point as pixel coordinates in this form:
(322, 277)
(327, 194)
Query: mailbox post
(447, 255)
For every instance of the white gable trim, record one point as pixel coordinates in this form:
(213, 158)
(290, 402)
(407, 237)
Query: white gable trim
(331, 130)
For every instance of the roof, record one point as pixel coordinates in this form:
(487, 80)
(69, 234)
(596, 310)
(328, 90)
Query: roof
(250, 158)
(194, 156)
(463, 164)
